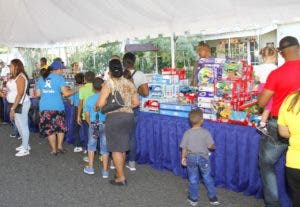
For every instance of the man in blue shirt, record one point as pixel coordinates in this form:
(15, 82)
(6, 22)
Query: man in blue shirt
(96, 120)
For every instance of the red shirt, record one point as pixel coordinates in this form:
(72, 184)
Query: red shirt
(282, 82)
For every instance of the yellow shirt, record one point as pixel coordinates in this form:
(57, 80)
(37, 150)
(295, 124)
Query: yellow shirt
(292, 121)
(45, 67)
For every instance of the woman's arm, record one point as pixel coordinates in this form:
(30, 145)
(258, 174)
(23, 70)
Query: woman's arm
(105, 91)
(134, 100)
(284, 131)
(143, 90)
(67, 92)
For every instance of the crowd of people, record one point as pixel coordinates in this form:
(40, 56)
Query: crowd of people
(114, 131)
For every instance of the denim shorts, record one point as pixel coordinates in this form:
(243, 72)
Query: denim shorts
(97, 136)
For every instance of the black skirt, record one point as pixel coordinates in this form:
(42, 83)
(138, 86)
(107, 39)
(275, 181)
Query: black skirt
(118, 126)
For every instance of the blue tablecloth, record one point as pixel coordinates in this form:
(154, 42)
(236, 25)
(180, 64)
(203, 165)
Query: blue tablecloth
(234, 163)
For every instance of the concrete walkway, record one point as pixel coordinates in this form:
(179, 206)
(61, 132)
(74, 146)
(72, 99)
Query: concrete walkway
(42, 180)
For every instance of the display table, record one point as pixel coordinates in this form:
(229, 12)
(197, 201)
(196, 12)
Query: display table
(234, 162)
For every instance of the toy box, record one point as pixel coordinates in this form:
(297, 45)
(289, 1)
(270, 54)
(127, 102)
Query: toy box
(176, 107)
(168, 71)
(156, 90)
(232, 70)
(174, 113)
(228, 89)
(181, 74)
(209, 70)
(150, 105)
(222, 109)
(206, 94)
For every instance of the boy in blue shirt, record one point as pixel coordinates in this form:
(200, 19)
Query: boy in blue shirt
(79, 81)
(195, 146)
(96, 122)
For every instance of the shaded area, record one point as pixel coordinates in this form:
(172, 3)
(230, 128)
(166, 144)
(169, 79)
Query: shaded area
(44, 180)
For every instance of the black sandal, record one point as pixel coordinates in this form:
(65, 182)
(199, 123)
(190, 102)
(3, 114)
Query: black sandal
(62, 151)
(53, 153)
(120, 183)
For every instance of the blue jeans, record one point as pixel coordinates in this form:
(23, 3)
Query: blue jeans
(100, 135)
(197, 165)
(21, 121)
(76, 129)
(132, 139)
(270, 150)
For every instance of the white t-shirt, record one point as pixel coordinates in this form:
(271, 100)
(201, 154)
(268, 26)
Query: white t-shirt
(12, 91)
(139, 78)
(262, 71)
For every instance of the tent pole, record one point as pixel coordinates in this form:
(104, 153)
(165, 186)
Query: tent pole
(156, 64)
(173, 50)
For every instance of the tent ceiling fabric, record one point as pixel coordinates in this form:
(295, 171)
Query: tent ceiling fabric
(44, 23)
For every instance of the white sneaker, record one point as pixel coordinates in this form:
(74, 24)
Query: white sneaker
(21, 148)
(131, 166)
(22, 153)
(78, 149)
(86, 159)
(112, 166)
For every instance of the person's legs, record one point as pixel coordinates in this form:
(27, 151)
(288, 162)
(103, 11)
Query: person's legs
(132, 142)
(119, 162)
(193, 177)
(91, 148)
(76, 128)
(293, 179)
(103, 147)
(22, 124)
(52, 143)
(270, 150)
(1, 110)
(204, 167)
(60, 140)
(60, 128)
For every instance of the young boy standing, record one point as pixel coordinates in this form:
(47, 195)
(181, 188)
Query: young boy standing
(79, 81)
(195, 145)
(84, 93)
(96, 122)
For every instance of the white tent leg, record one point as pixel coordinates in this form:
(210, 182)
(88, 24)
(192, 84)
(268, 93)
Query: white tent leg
(173, 50)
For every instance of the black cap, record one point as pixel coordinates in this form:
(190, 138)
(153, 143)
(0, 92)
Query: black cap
(288, 41)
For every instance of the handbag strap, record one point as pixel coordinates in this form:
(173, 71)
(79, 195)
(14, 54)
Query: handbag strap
(26, 85)
(113, 92)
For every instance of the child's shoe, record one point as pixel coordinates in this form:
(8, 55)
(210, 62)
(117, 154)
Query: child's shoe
(214, 201)
(89, 170)
(105, 174)
(192, 202)
(112, 166)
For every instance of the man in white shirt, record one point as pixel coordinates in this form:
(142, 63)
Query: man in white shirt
(140, 82)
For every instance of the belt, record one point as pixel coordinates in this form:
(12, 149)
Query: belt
(274, 117)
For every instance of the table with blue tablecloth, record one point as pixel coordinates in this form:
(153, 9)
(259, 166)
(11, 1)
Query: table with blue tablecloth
(234, 162)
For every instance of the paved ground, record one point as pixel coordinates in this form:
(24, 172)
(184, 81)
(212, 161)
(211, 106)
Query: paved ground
(40, 180)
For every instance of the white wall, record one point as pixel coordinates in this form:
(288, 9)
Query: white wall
(268, 38)
(292, 29)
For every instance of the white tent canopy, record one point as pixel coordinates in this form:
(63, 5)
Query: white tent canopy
(48, 23)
